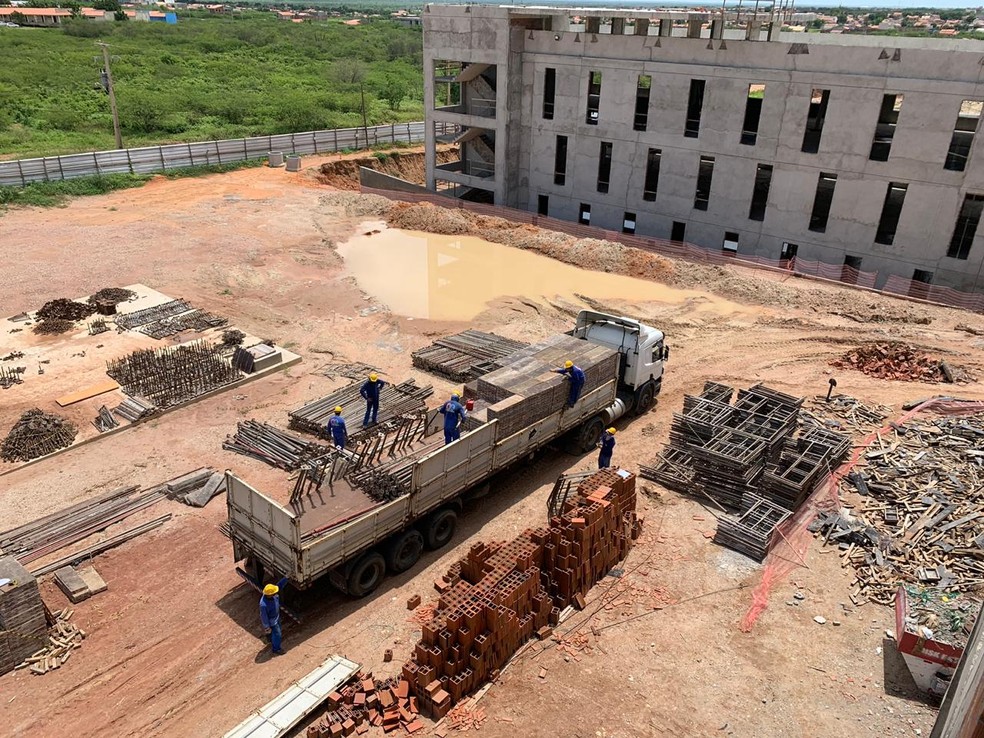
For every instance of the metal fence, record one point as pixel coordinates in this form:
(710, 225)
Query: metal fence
(894, 285)
(150, 159)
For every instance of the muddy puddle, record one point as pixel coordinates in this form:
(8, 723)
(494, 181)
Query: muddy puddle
(425, 275)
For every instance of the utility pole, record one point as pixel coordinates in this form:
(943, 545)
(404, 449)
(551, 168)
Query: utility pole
(112, 95)
(365, 122)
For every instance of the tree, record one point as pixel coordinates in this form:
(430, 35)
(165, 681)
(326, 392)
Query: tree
(349, 71)
(841, 18)
(113, 5)
(393, 90)
(818, 24)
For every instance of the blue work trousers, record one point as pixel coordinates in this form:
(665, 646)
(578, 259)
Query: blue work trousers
(604, 460)
(372, 410)
(275, 636)
(451, 435)
(575, 393)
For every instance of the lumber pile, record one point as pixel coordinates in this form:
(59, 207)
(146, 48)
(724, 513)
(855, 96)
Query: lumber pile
(527, 389)
(395, 401)
(920, 518)
(35, 434)
(365, 702)
(503, 594)
(892, 360)
(63, 638)
(465, 356)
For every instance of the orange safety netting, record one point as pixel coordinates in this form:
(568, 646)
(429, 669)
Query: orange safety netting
(794, 538)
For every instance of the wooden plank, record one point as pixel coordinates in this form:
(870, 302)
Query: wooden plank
(107, 385)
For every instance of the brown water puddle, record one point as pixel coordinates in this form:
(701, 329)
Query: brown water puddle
(426, 275)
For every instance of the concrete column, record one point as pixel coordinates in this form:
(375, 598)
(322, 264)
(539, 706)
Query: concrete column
(592, 25)
(641, 27)
(666, 27)
(693, 27)
(774, 29)
(618, 26)
(754, 30)
(717, 28)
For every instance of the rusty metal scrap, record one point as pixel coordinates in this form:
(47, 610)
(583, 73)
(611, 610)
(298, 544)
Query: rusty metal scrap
(195, 320)
(37, 433)
(173, 374)
(129, 321)
(65, 309)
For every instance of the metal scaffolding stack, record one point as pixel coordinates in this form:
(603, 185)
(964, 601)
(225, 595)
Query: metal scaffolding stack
(395, 400)
(726, 452)
(465, 356)
(753, 533)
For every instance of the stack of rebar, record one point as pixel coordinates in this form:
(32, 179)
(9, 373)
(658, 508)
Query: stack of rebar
(196, 320)
(387, 481)
(753, 532)
(272, 445)
(173, 374)
(53, 532)
(37, 433)
(105, 421)
(395, 400)
(129, 321)
(465, 356)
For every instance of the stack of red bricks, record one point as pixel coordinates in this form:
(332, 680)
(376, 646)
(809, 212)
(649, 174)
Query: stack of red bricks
(365, 702)
(501, 595)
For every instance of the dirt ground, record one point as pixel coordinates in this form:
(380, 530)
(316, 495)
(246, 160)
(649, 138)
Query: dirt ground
(174, 646)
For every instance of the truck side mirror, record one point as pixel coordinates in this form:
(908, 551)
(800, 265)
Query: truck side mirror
(666, 353)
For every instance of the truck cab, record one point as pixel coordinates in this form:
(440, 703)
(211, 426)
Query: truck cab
(642, 353)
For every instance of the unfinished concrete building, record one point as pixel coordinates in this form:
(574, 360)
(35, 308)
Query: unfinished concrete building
(850, 150)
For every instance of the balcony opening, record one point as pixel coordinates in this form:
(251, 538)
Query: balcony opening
(888, 118)
(814, 120)
(963, 135)
(753, 113)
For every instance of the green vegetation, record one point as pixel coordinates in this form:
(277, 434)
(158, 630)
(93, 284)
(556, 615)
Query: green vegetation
(205, 78)
(49, 194)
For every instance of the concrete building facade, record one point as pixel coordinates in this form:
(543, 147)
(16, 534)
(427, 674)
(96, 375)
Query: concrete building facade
(848, 150)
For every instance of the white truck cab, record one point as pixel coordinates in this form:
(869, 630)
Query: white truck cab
(643, 353)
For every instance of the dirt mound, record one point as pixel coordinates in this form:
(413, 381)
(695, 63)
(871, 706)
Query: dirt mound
(892, 361)
(354, 205)
(588, 253)
(408, 165)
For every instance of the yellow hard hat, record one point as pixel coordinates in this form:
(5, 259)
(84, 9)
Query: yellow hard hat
(373, 377)
(270, 590)
(612, 431)
(338, 410)
(568, 364)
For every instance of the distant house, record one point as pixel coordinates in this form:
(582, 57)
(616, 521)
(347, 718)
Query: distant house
(352, 22)
(43, 17)
(408, 20)
(94, 14)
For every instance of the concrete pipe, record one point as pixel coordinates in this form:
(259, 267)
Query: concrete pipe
(276, 158)
(293, 163)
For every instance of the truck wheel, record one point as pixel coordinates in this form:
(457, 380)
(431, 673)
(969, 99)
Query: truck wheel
(366, 574)
(404, 551)
(440, 528)
(587, 437)
(646, 398)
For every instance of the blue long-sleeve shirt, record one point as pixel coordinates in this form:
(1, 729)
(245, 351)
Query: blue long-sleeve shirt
(270, 607)
(575, 374)
(336, 424)
(370, 389)
(452, 412)
(607, 444)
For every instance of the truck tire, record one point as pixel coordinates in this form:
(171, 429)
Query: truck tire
(366, 574)
(646, 398)
(404, 551)
(440, 528)
(589, 433)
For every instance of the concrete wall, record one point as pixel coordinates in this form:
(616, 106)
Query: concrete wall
(933, 78)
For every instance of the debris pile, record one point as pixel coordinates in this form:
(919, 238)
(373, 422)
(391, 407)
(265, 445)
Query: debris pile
(37, 433)
(10, 377)
(501, 595)
(233, 337)
(12, 356)
(52, 326)
(945, 618)
(893, 360)
(64, 309)
(63, 638)
(921, 515)
(113, 295)
(173, 374)
(349, 370)
(845, 413)
(365, 702)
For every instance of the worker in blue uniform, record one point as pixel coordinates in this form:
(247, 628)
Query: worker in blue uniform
(370, 393)
(270, 614)
(454, 416)
(339, 433)
(574, 375)
(607, 445)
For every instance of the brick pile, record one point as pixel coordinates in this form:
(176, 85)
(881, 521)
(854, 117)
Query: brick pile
(892, 360)
(503, 594)
(365, 702)
(23, 626)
